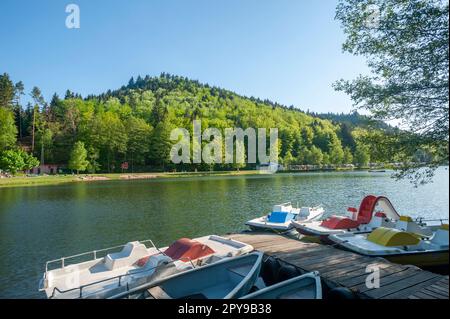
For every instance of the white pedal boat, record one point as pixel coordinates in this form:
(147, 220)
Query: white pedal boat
(407, 243)
(306, 286)
(225, 279)
(282, 215)
(134, 265)
(374, 211)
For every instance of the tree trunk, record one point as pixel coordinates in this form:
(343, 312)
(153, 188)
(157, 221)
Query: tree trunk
(32, 134)
(42, 153)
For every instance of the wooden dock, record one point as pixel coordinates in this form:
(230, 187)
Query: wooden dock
(347, 269)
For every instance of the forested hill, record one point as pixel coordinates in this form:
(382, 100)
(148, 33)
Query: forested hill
(352, 119)
(134, 122)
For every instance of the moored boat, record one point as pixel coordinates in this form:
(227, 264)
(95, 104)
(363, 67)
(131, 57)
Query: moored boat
(225, 279)
(305, 286)
(133, 265)
(422, 246)
(373, 212)
(282, 215)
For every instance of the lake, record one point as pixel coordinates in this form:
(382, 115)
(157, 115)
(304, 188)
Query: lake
(47, 222)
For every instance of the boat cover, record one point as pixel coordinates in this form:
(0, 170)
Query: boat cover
(185, 249)
(188, 249)
(280, 217)
(392, 237)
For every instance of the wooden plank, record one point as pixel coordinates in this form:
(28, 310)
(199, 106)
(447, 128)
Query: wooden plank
(340, 263)
(351, 273)
(340, 271)
(258, 239)
(298, 253)
(313, 261)
(411, 290)
(360, 278)
(255, 238)
(388, 280)
(407, 285)
(334, 262)
(436, 295)
(443, 283)
(348, 269)
(281, 247)
(423, 296)
(438, 289)
(305, 255)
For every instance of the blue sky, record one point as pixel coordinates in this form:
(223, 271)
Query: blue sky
(286, 50)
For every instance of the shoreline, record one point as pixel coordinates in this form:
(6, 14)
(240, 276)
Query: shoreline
(48, 180)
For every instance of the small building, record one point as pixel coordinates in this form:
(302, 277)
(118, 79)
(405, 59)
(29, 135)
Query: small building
(49, 169)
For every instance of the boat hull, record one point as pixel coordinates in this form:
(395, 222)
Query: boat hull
(226, 279)
(427, 260)
(306, 286)
(436, 261)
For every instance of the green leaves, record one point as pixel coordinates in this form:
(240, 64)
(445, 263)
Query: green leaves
(407, 52)
(78, 161)
(8, 130)
(17, 160)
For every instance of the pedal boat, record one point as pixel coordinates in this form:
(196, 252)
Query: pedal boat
(306, 286)
(282, 215)
(422, 246)
(373, 212)
(133, 265)
(225, 279)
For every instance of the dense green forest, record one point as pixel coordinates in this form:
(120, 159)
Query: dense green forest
(99, 132)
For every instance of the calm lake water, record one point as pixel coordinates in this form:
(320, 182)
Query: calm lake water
(47, 222)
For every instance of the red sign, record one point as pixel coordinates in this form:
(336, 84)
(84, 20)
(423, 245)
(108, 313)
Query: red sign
(124, 165)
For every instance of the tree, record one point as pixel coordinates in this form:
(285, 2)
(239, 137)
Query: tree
(8, 130)
(38, 99)
(29, 160)
(315, 156)
(18, 92)
(11, 161)
(348, 156)
(336, 152)
(109, 134)
(406, 45)
(160, 144)
(288, 159)
(362, 157)
(92, 157)
(7, 92)
(139, 134)
(345, 135)
(78, 157)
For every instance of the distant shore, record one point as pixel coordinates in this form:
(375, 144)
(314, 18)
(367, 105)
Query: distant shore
(21, 181)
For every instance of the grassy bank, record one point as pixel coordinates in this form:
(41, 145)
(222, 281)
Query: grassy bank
(20, 181)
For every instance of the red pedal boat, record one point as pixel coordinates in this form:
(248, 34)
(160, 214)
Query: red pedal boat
(374, 211)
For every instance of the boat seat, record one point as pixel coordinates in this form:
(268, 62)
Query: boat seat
(158, 293)
(361, 216)
(440, 238)
(407, 224)
(129, 254)
(340, 222)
